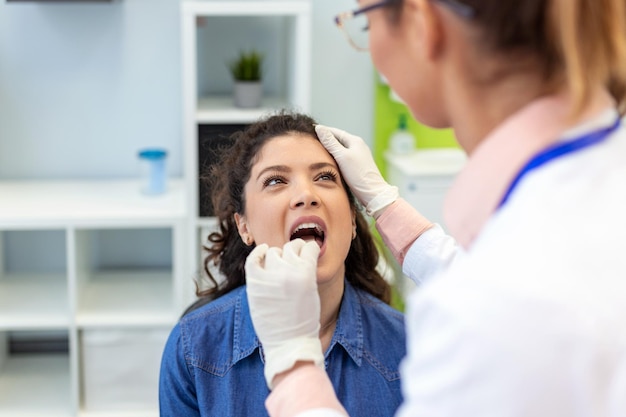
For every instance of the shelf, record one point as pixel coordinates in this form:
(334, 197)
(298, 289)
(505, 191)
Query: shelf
(33, 301)
(80, 257)
(244, 8)
(35, 385)
(126, 298)
(87, 203)
(220, 109)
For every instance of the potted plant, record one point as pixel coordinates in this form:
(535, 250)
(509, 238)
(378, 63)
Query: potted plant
(247, 73)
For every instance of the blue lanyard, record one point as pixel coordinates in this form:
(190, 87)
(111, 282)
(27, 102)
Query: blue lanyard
(559, 149)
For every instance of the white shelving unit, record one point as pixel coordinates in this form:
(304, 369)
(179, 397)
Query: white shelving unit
(56, 244)
(212, 31)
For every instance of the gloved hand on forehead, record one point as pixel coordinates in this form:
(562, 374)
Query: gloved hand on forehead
(285, 305)
(358, 169)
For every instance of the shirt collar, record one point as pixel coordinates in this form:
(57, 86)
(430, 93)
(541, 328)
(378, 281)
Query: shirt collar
(481, 184)
(245, 339)
(348, 332)
(349, 329)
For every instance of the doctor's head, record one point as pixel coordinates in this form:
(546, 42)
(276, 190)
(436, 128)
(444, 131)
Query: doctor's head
(434, 51)
(277, 183)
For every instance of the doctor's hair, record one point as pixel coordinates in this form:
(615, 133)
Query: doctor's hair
(227, 180)
(577, 43)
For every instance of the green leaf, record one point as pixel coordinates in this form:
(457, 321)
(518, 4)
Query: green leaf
(247, 66)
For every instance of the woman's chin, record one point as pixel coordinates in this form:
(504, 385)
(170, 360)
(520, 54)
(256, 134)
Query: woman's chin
(326, 277)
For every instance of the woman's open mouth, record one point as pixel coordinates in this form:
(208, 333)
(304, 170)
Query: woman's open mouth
(309, 231)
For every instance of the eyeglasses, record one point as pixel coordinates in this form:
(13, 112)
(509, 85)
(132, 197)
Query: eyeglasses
(355, 26)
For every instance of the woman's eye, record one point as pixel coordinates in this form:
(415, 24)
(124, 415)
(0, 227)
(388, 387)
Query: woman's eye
(273, 180)
(328, 176)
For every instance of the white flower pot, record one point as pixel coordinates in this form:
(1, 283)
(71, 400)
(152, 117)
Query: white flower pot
(247, 94)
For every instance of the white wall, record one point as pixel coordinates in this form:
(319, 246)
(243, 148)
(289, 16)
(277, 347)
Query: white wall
(343, 79)
(84, 86)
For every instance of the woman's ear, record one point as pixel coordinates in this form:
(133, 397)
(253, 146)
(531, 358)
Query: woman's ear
(242, 228)
(426, 25)
(353, 225)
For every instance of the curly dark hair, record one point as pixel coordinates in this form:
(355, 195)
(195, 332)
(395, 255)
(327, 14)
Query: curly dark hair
(227, 179)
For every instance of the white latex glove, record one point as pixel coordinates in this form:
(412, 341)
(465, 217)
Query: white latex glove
(358, 169)
(285, 304)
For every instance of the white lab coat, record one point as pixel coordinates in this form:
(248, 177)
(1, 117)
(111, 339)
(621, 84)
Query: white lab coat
(541, 292)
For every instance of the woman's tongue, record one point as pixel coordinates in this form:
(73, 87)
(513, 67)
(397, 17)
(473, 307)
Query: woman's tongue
(312, 237)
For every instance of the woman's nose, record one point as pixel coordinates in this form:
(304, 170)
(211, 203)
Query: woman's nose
(305, 196)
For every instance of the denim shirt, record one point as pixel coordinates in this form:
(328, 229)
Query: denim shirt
(212, 364)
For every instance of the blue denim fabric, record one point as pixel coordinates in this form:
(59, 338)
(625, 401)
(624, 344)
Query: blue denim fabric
(212, 364)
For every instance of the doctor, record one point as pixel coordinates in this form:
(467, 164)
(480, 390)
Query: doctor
(529, 318)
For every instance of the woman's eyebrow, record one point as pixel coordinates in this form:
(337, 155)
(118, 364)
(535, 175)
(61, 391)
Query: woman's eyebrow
(279, 168)
(319, 165)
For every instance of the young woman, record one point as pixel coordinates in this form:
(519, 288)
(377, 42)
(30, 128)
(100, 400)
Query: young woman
(528, 318)
(278, 184)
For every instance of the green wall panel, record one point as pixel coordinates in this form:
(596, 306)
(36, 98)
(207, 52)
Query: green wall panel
(386, 115)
